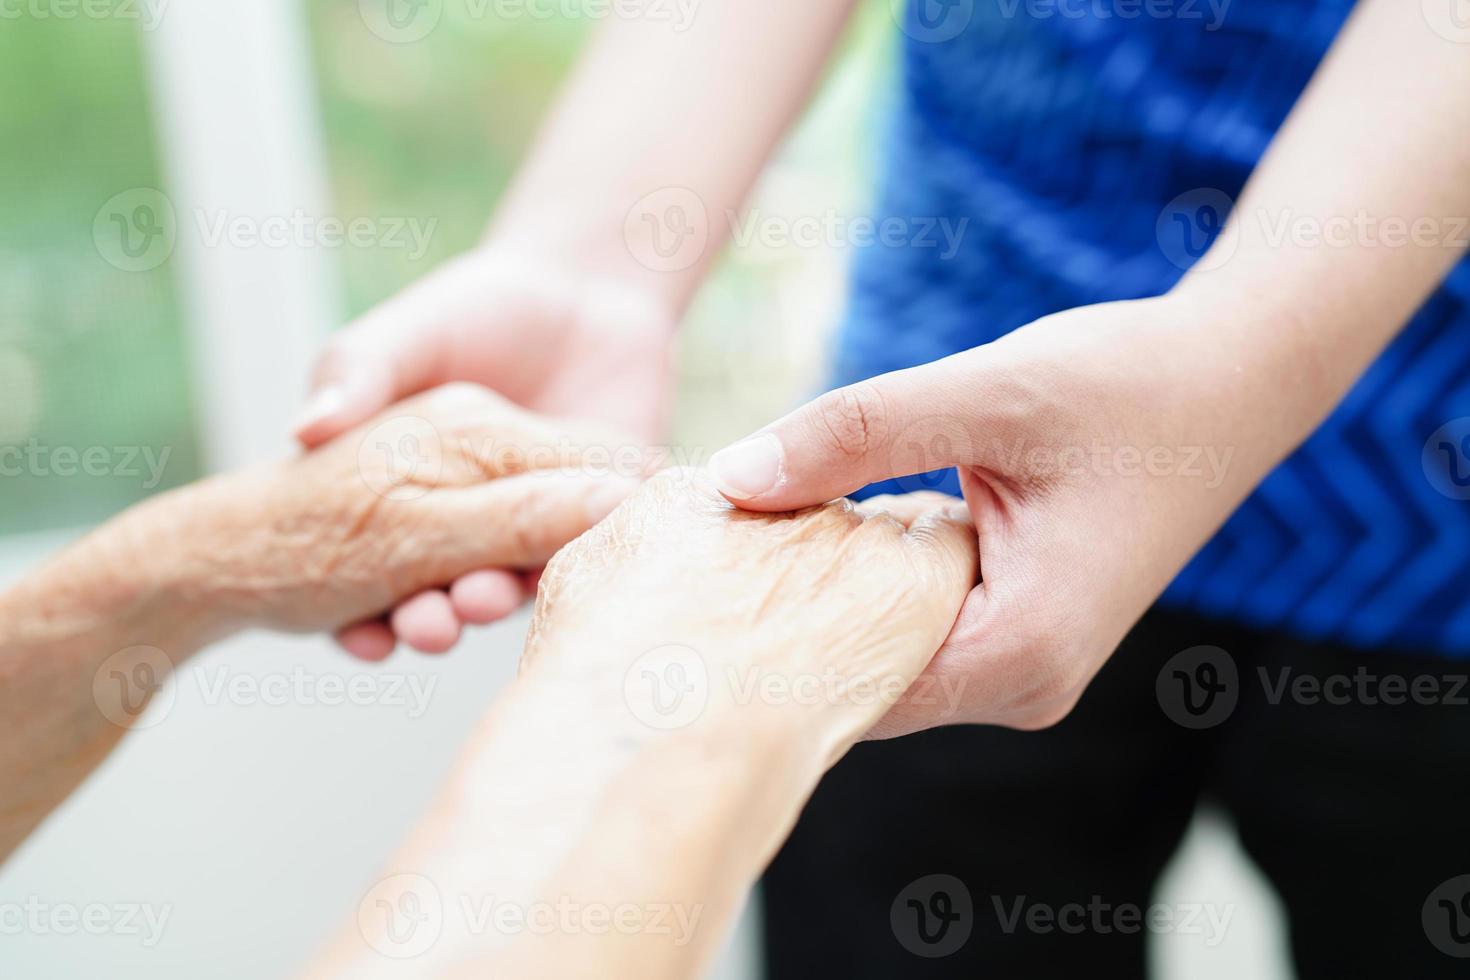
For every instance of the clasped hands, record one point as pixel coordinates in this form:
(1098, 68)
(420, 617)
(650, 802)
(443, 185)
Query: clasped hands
(1098, 449)
(447, 484)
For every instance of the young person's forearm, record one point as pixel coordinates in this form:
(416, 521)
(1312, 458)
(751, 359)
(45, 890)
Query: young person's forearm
(654, 106)
(1352, 218)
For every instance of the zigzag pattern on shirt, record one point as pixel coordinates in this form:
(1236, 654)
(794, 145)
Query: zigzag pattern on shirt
(1063, 140)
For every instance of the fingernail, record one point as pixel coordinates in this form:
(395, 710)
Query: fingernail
(749, 468)
(606, 496)
(322, 405)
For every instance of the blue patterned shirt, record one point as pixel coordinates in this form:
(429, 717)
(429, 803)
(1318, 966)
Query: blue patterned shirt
(1075, 143)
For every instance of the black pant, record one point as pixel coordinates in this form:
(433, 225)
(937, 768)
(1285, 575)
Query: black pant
(1050, 843)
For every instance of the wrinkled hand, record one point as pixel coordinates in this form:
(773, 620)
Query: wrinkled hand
(1098, 449)
(558, 342)
(395, 510)
(697, 608)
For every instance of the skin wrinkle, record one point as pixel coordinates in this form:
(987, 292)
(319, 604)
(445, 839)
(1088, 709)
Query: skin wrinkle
(851, 419)
(778, 556)
(374, 536)
(303, 545)
(798, 533)
(567, 761)
(354, 531)
(602, 542)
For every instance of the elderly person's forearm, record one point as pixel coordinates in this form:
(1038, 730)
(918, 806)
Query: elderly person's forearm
(690, 674)
(332, 538)
(110, 605)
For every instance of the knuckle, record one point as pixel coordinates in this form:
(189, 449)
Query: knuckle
(1045, 716)
(1046, 673)
(853, 420)
(673, 480)
(559, 568)
(334, 361)
(460, 395)
(675, 489)
(526, 517)
(1054, 684)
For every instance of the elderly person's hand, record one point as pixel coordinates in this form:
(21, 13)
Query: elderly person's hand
(838, 607)
(453, 480)
(434, 488)
(691, 672)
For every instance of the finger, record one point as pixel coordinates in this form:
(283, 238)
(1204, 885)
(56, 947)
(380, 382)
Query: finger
(483, 597)
(946, 542)
(427, 622)
(371, 641)
(517, 522)
(894, 425)
(371, 364)
(467, 433)
(905, 507)
(359, 374)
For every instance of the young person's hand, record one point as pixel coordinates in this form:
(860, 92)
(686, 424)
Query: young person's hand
(570, 306)
(555, 341)
(1098, 449)
(568, 345)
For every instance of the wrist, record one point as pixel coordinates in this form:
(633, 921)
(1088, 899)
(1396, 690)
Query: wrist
(176, 540)
(1288, 356)
(671, 693)
(122, 585)
(715, 765)
(593, 254)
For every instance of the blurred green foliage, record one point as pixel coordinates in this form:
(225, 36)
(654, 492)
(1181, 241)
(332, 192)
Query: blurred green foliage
(431, 129)
(434, 128)
(90, 355)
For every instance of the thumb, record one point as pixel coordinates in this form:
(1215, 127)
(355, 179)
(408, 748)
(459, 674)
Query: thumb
(348, 387)
(944, 538)
(893, 425)
(368, 366)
